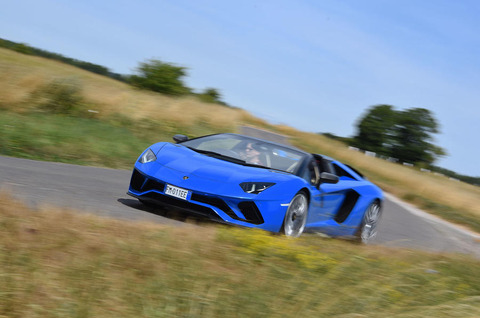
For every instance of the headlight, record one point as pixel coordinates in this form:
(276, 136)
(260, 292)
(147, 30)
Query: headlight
(255, 187)
(148, 156)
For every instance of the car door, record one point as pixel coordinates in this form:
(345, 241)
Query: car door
(320, 205)
(326, 198)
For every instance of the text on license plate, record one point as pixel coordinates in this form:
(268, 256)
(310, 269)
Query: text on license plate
(176, 192)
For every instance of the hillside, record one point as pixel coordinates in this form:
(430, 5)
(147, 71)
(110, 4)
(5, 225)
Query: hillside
(53, 111)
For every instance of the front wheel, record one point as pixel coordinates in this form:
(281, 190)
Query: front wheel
(296, 216)
(368, 229)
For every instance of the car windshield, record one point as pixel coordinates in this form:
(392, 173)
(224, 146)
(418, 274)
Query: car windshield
(249, 151)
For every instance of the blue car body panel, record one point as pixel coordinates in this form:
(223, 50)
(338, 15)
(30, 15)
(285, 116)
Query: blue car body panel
(215, 191)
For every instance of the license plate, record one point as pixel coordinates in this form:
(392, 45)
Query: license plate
(176, 192)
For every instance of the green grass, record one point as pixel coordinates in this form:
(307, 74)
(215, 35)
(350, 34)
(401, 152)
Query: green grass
(114, 143)
(66, 139)
(58, 264)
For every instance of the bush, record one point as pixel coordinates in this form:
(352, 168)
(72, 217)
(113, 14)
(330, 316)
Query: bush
(161, 77)
(60, 97)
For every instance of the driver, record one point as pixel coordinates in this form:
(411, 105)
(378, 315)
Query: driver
(251, 155)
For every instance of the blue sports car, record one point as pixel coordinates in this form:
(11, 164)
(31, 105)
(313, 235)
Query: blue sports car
(255, 183)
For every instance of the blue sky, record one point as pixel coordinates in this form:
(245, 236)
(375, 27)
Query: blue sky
(314, 65)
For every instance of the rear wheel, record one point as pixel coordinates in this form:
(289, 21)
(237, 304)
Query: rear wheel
(368, 229)
(296, 216)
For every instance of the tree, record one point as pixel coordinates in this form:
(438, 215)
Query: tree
(413, 133)
(22, 48)
(375, 129)
(405, 135)
(160, 77)
(210, 95)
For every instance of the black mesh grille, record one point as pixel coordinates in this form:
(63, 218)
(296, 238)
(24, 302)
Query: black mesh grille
(251, 212)
(182, 204)
(216, 202)
(141, 183)
(153, 185)
(249, 209)
(137, 180)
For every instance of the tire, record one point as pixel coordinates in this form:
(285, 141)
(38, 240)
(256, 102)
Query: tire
(296, 216)
(368, 228)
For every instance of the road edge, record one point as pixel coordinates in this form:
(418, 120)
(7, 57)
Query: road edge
(433, 218)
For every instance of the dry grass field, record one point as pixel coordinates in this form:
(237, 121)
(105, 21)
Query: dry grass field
(58, 263)
(22, 75)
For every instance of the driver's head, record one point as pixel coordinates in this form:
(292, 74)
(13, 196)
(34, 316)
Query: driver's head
(250, 151)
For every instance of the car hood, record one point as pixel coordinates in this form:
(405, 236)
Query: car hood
(192, 163)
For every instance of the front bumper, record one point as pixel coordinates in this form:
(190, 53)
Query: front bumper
(266, 215)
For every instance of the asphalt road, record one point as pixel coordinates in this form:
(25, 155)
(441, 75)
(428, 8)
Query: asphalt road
(102, 191)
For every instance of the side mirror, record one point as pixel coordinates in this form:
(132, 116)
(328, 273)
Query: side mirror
(326, 177)
(180, 138)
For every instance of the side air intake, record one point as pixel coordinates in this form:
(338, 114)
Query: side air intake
(348, 204)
